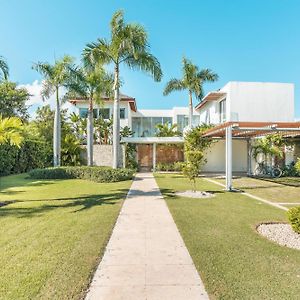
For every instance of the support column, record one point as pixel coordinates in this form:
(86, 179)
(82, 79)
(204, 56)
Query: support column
(229, 158)
(154, 157)
(249, 159)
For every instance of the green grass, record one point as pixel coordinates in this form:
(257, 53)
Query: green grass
(233, 260)
(53, 233)
(290, 181)
(268, 190)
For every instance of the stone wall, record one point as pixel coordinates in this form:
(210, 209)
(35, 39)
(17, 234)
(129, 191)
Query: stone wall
(103, 155)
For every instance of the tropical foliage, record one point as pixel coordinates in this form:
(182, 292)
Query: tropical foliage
(55, 76)
(192, 80)
(269, 146)
(90, 83)
(166, 129)
(13, 100)
(11, 131)
(4, 70)
(128, 45)
(195, 146)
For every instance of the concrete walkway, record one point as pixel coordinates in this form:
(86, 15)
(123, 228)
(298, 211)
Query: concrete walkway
(146, 257)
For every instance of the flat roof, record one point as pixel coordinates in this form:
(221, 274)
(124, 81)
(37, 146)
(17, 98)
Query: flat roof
(211, 96)
(153, 140)
(254, 129)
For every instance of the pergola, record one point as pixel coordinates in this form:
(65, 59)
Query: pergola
(248, 130)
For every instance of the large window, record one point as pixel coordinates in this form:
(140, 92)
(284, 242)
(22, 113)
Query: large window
(104, 113)
(146, 126)
(83, 112)
(222, 107)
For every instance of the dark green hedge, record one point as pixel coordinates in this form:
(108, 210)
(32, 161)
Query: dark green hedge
(97, 174)
(31, 155)
(294, 218)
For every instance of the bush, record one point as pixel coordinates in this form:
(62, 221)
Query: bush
(297, 165)
(290, 170)
(97, 174)
(294, 218)
(31, 155)
(176, 166)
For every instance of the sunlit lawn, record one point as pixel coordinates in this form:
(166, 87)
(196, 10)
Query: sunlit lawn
(52, 234)
(234, 261)
(267, 189)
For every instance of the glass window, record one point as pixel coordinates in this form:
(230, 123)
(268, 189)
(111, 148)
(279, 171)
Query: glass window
(182, 122)
(146, 127)
(83, 112)
(196, 120)
(122, 113)
(222, 106)
(136, 126)
(167, 120)
(155, 122)
(104, 113)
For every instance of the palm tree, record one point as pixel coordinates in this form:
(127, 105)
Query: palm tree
(192, 80)
(4, 69)
(55, 77)
(90, 84)
(11, 131)
(128, 45)
(165, 130)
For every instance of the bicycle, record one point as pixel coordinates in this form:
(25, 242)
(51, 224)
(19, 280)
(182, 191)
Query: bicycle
(263, 169)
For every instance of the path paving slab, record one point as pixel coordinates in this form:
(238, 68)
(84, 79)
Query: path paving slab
(146, 257)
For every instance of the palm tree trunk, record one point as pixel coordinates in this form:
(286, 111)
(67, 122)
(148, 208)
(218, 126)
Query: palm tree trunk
(90, 134)
(116, 120)
(190, 109)
(56, 133)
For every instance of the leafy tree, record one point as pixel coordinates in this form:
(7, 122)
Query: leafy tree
(13, 100)
(165, 130)
(55, 76)
(192, 80)
(11, 131)
(269, 146)
(4, 69)
(194, 149)
(103, 129)
(90, 83)
(128, 45)
(71, 151)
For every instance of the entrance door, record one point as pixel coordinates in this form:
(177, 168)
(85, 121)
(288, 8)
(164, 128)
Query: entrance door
(145, 157)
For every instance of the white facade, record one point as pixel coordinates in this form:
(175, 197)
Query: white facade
(236, 101)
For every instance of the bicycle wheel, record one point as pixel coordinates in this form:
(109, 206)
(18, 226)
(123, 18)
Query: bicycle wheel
(277, 172)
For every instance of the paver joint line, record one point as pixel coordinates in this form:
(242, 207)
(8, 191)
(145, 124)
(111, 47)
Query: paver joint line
(146, 257)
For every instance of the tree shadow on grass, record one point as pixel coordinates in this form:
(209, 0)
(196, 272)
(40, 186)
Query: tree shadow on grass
(79, 204)
(170, 193)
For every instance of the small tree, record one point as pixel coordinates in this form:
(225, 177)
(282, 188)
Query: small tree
(11, 131)
(194, 148)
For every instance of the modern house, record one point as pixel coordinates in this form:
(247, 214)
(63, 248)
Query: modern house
(235, 102)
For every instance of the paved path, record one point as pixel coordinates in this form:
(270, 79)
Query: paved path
(146, 257)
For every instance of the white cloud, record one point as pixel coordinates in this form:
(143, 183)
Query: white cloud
(36, 99)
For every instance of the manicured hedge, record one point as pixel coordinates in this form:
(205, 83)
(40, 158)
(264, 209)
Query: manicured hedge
(176, 166)
(97, 174)
(294, 218)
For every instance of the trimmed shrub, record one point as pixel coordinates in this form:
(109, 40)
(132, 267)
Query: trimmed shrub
(97, 174)
(176, 166)
(294, 218)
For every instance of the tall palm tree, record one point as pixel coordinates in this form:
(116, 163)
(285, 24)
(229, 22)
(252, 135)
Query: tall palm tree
(4, 69)
(90, 84)
(55, 77)
(11, 131)
(192, 80)
(128, 45)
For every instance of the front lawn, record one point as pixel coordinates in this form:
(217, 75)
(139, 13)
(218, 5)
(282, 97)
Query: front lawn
(267, 189)
(53, 233)
(233, 260)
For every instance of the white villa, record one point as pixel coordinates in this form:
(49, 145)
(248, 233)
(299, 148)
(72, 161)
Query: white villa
(235, 102)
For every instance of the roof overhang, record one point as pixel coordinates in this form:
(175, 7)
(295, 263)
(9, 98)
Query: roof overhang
(131, 101)
(211, 96)
(153, 140)
(248, 130)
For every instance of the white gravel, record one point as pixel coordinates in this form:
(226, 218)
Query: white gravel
(196, 194)
(281, 233)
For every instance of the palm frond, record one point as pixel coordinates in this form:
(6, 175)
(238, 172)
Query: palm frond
(174, 85)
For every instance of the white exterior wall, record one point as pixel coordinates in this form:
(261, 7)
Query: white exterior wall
(215, 157)
(260, 102)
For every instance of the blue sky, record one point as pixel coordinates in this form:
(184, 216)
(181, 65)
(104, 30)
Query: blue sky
(240, 40)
